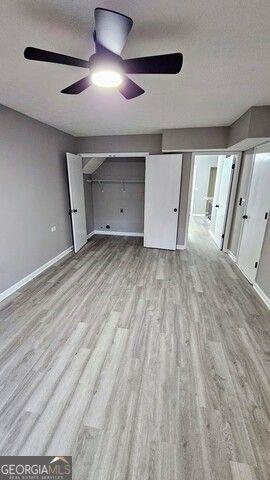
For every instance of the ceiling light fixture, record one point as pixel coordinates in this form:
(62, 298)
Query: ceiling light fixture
(106, 78)
(106, 67)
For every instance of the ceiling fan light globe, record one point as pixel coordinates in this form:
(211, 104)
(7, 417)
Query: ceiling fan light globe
(106, 78)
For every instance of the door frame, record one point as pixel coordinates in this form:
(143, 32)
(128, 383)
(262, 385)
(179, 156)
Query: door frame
(193, 188)
(237, 163)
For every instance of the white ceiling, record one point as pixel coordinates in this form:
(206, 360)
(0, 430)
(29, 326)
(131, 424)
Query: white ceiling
(226, 47)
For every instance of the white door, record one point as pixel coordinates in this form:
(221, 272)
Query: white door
(257, 213)
(221, 198)
(77, 202)
(216, 195)
(162, 193)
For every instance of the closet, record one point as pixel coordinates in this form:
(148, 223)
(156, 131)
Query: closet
(133, 196)
(114, 194)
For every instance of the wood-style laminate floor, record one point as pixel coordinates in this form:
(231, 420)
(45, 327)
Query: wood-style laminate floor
(141, 363)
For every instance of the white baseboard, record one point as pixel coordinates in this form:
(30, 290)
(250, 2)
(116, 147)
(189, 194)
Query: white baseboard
(124, 234)
(34, 274)
(181, 247)
(262, 295)
(89, 235)
(232, 256)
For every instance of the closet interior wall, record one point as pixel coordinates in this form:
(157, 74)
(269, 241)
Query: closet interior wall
(114, 196)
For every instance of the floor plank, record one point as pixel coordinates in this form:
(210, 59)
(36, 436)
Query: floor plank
(142, 364)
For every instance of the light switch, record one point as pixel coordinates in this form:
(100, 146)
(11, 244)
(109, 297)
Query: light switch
(53, 228)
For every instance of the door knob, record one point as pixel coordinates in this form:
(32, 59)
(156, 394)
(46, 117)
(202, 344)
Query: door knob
(175, 209)
(73, 211)
(245, 217)
(217, 206)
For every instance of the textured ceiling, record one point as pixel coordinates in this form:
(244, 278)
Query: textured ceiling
(226, 47)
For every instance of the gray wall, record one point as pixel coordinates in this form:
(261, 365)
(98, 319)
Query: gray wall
(34, 195)
(119, 143)
(202, 163)
(252, 128)
(108, 203)
(180, 139)
(242, 189)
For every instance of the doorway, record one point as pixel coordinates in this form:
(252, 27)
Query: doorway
(210, 197)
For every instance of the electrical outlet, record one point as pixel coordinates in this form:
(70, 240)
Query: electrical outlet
(53, 228)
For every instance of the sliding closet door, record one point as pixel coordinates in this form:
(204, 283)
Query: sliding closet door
(77, 202)
(162, 192)
(256, 216)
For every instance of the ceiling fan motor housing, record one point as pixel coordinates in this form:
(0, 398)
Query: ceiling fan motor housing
(101, 62)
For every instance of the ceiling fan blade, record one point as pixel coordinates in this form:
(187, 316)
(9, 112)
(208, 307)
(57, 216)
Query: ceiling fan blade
(77, 87)
(112, 29)
(32, 53)
(130, 89)
(170, 63)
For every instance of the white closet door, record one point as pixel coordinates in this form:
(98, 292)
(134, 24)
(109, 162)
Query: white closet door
(162, 193)
(216, 196)
(221, 198)
(257, 213)
(77, 201)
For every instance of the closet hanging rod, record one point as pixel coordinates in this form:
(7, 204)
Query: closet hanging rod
(108, 180)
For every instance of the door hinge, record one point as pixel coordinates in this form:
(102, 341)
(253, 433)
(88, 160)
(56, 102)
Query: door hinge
(266, 215)
(256, 264)
(222, 236)
(233, 166)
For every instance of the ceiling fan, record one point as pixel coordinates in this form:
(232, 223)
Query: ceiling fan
(106, 67)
